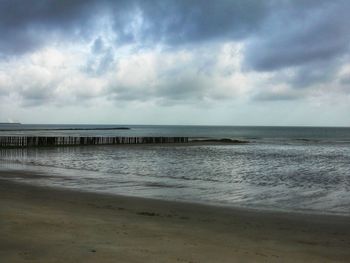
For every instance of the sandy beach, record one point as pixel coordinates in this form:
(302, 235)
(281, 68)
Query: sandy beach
(39, 224)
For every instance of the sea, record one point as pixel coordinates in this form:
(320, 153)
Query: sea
(293, 169)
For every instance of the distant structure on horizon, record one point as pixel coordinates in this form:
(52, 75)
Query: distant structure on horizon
(10, 123)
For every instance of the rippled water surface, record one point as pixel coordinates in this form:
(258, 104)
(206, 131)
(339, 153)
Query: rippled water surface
(298, 176)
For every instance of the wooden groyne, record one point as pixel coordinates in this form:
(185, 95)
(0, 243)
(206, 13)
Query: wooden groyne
(37, 141)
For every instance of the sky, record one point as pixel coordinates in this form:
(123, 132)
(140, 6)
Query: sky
(225, 62)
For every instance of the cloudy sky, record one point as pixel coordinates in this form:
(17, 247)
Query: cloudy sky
(229, 62)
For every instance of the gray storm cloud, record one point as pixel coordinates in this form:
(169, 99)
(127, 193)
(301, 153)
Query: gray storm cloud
(281, 33)
(297, 35)
(28, 24)
(309, 39)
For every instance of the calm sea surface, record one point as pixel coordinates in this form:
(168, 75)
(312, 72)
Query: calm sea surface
(282, 168)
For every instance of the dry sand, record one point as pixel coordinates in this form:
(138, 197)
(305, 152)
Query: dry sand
(40, 224)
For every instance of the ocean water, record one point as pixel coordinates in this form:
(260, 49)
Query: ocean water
(298, 169)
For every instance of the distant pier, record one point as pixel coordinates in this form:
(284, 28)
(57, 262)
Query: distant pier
(37, 141)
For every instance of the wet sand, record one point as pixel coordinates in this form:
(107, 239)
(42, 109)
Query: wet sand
(39, 224)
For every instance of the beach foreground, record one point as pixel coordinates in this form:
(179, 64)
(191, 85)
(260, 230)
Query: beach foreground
(50, 225)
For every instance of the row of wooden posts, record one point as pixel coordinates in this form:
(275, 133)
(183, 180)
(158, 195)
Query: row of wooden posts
(33, 141)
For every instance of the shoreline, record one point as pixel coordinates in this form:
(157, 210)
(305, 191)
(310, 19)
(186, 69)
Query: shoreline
(224, 208)
(7, 175)
(48, 225)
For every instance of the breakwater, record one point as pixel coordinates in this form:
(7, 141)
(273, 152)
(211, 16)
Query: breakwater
(67, 129)
(37, 141)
